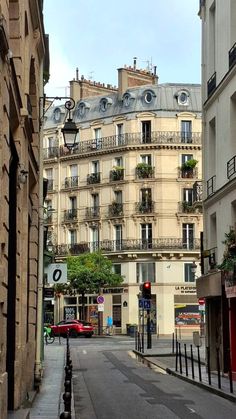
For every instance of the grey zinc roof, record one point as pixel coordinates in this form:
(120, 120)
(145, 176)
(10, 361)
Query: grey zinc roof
(164, 100)
(50, 121)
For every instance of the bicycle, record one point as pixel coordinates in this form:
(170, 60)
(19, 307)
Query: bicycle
(49, 336)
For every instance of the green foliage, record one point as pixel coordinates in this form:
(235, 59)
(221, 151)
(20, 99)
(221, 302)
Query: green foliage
(229, 258)
(144, 170)
(189, 164)
(90, 271)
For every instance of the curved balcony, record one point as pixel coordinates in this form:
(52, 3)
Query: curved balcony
(132, 139)
(93, 178)
(188, 173)
(71, 182)
(107, 246)
(71, 215)
(116, 175)
(115, 209)
(144, 207)
(144, 171)
(92, 212)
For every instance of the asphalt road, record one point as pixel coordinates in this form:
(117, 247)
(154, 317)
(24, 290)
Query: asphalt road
(110, 383)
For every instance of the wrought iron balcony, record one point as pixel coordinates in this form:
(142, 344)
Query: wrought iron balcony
(187, 207)
(50, 185)
(232, 56)
(71, 182)
(116, 175)
(71, 214)
(132, 139)
(50, 153)
(231, 167)
(211, 85)
(93, 178)
(161, 244)
(92, 212)
(144, 207)
(144, 171)
(115, 209)
(191, 173)
(211, 186)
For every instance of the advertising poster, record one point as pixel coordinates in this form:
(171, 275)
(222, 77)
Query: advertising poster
(187, 315)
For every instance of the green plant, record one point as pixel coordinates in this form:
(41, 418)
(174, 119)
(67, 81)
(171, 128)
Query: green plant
(187, 207)
(144, 169)
(189, 164)
(229, 257)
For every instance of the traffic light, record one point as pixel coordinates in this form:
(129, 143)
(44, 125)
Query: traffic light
(147, 290)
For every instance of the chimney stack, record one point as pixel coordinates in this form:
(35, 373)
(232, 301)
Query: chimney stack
(135, 62)
(77, 74)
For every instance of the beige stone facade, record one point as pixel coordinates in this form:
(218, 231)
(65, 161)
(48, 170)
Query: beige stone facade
(148, 222)
(22, 50)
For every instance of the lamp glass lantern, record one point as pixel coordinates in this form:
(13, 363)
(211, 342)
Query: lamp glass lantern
(69, 132)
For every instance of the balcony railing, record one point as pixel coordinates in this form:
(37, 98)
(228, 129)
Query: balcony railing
(115, 209)
(71, 182)
(48, 219)
(232, 56)
(71, 214)
(145, 172)
(50, 153)
(162, 244)
(211, 186)
(129, 139)
(210, 256)
(186, 207)
(231, 167)
(92, 212)
(144, 207)
(116, 175)
(211, 85)
(191, 173)
(50, 185)
(93, 178)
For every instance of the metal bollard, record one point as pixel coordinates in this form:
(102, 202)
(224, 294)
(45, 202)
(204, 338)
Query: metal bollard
(180, 359)
(208, 365)
(186, 360)
(67, 401)
(192, 361)
(218, 366)
(199, 363)
(173, 343)
(176, 356)
(65, 415)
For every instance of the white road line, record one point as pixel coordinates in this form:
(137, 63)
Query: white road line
(84, 351)
(191, 410)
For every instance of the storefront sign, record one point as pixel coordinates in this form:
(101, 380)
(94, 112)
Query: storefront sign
(230, 291)
(185, 290)
(69, 313)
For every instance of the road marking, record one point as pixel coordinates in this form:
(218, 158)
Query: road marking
(191, 410)
(84, 351)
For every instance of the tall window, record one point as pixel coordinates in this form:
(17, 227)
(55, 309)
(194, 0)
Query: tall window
(94, 239)
(95, 166)
(146, 195)
(98, 137)
(119, 161)
(146, 235)
(186, 157)
(95, 200)
(188, 196)
(146, 158)
(145, 271)
(118, 236)
(189, 276)
(49, 176)
(186, 131)
(117, 268)
(73, 202)
(73, 170)
(118, 196)
(119, 134)
(72, 237)
(188, 236)
(146, 131)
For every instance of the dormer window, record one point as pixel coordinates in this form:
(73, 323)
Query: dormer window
(82, 108)
(127, 99)
(183, 97)
(57, 114)
(104, 103)
(148, 96)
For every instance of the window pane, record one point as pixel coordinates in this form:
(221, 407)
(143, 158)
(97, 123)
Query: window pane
(188, 274)
(145, 272)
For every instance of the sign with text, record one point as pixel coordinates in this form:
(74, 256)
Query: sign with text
(70, 313)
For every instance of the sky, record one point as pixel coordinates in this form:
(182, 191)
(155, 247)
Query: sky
(100, 36)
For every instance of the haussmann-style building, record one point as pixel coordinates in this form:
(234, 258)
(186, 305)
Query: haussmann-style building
(131, 187)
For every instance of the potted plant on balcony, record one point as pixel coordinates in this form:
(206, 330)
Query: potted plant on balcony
(187, 207)
(117, 173)
(187, 167)
(144, 170)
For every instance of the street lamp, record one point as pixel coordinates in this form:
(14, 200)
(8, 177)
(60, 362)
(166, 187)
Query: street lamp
(70, 129)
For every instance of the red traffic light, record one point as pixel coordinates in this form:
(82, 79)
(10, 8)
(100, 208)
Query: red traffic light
(146, 290)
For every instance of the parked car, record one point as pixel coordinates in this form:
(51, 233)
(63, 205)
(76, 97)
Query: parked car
(75, 327)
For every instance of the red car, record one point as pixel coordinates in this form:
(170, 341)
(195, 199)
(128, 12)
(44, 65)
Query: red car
(75, 327)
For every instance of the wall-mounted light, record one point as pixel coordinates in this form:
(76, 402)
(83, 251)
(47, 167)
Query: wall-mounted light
(22, 176)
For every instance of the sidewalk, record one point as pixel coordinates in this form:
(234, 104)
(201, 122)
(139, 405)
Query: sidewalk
(162, 356)
(48, 403)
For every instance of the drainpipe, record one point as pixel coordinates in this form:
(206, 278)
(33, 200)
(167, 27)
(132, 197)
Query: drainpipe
(39, 321)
